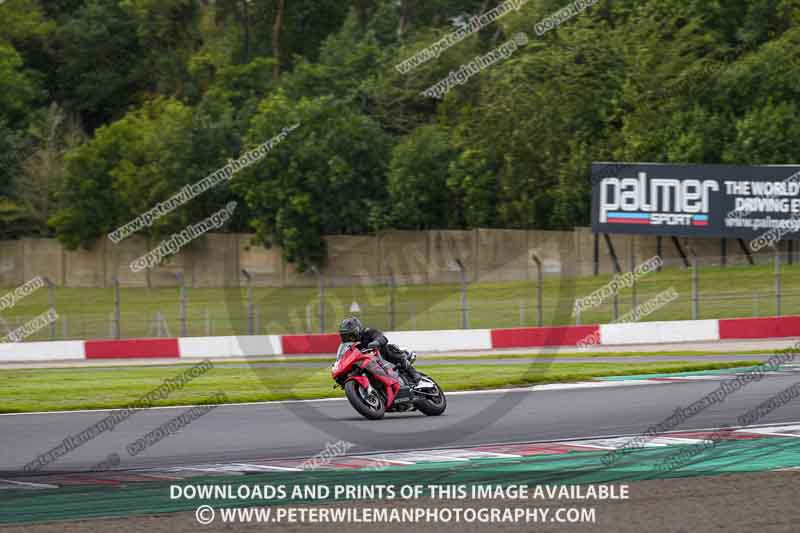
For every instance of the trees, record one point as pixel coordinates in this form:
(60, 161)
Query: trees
(142, 159)
(12, 215)
(22, 34)
(419, 196)
(326, 177)
(769, 134)
(101, 71)
(41, 173)
(115, 176)
(19, 88)
(168, 90)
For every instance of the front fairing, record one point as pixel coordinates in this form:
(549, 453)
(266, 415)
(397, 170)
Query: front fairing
(347, 356)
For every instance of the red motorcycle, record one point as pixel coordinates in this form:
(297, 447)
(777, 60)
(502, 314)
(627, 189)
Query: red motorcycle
(374, 386)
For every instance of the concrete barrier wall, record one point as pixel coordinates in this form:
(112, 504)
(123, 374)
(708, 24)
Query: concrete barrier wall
(405, 255)
(82, 267)
(442, 341)
(264, 264)
(215, 260)
(11, 268)
(445, 247)
(548, 336)
(352, 259)
(47, 258)
(119, 258)
(660, 332)
(502, 255)
(306, 344)
(421, 341)
(41, 351)
(132, 349)
(557, 250)
(220, 347)
(758, 328)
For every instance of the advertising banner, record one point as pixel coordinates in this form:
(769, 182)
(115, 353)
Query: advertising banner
(695, 200)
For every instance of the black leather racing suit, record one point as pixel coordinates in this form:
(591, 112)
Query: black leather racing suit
(371, 337)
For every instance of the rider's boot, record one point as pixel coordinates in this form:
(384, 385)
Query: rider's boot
(410, 370)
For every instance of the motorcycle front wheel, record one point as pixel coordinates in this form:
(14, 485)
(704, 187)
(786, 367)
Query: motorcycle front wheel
(370, 406)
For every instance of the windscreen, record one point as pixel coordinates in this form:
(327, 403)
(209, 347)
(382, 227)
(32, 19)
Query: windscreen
(343, 349)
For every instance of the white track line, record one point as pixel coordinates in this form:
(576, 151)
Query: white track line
(29, 484)
(429, 454)
(594, 446)
(569, 439)
(381, 459)
(267, 467)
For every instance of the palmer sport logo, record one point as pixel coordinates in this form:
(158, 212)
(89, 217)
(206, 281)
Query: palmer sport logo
(659, 201)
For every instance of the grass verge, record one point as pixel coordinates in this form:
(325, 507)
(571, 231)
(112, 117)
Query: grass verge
(95, 388)
(537, 355)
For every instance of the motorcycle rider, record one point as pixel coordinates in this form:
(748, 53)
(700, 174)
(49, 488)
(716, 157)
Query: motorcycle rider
(352, 330)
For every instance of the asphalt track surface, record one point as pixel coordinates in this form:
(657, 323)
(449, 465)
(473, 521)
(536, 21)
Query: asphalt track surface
(244, 432)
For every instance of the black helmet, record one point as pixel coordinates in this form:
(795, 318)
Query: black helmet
(350, 329)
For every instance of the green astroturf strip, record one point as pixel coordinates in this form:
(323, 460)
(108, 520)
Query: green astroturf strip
(727, 457)
(713, 372)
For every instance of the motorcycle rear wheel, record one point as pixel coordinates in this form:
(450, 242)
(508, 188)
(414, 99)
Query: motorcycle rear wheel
(371, 407)
(433, 406)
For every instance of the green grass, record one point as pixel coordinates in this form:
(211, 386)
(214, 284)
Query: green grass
(327, 359)
(536, 355)
(734, 291)
(587, 355)
(88, 388)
